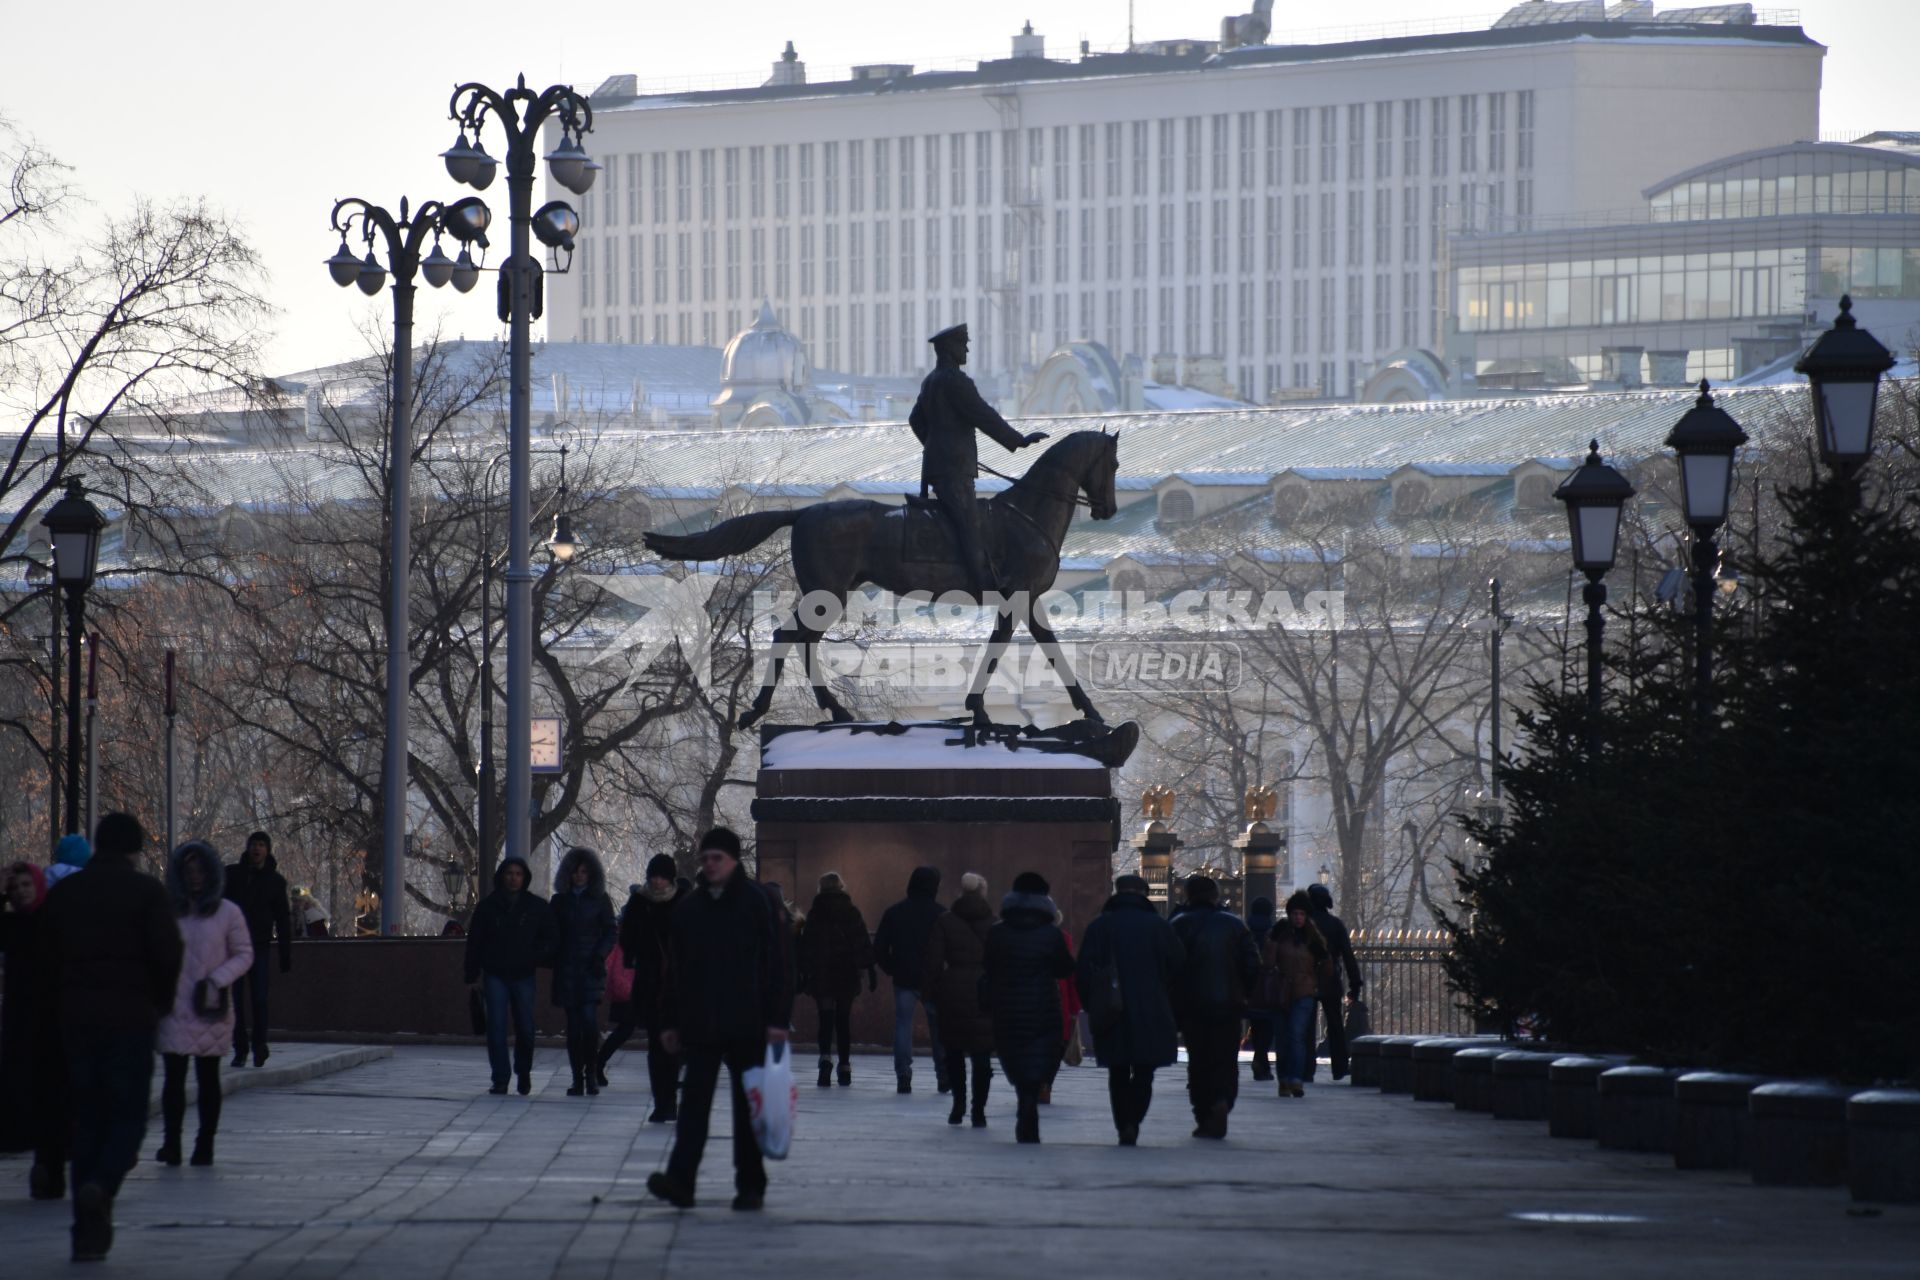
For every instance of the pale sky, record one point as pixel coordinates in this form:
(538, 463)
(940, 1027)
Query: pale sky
(272, 111)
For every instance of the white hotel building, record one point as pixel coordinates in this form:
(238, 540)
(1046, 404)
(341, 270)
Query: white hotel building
(1281, 208)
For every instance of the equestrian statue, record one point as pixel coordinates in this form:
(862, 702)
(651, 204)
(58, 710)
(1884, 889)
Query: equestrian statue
(1007, 546)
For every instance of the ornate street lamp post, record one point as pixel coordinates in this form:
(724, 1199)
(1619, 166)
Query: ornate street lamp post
(1594, 495)
(521, 113)
(1844, 367)
(74, 526)
(466, 221)
(1705, 438)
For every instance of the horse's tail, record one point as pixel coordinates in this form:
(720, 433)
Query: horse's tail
(729, 537)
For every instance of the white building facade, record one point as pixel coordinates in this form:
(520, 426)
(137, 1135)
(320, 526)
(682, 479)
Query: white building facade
(1281, 208)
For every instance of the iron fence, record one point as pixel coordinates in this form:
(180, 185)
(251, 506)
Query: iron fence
(1407, 992)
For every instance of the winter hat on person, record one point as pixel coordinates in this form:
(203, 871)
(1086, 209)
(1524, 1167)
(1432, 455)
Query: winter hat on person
(1299, 900)
(723, 839)
(661, 866)
(1031, 882)
(1132, 884)
(972, 882)
(1260, 909)
(119, 835)
(72, 851)
(1320, 897)
(832, 883)
(1202, 890)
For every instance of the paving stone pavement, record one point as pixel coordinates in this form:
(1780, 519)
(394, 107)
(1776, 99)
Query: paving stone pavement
(406, 1167)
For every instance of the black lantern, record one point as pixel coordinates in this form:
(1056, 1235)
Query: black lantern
(1594, 495)
(74, 525)
(1844, 366)
(1705, 438)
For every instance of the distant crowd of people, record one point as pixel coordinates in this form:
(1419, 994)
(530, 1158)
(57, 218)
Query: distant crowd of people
(106, 965)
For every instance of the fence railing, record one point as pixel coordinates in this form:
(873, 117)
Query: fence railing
(1407, 992)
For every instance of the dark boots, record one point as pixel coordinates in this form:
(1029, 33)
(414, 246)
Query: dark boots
(957, 1075)
(169, 1152)
(202, 1151)
(579, 1085)
(92, 1223)
(982, 1077)
(1026, 1124)
(826, 1073)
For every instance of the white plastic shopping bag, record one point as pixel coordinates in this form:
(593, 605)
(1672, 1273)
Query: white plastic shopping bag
(774, 1100)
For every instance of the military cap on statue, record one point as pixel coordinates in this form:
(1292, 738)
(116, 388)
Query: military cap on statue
(951, 331)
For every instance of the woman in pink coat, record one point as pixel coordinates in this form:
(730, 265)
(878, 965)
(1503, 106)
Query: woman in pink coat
(219, 951)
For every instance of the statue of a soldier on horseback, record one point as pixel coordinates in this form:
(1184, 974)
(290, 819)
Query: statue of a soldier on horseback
(1004, 552)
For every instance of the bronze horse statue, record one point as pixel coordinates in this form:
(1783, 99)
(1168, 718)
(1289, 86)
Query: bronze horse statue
(839, 546)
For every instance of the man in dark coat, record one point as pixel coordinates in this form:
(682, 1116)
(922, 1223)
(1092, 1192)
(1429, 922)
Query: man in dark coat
(900, 949)
(1131, 954)
(584, 935)
(646, 947)
(956, 961)
(731, 997)
(1210, 998)
(944, 418)
(1026, 957)
(256, 885)
(835, 952)
(511, 934)
(1340, 948)
(111, 951)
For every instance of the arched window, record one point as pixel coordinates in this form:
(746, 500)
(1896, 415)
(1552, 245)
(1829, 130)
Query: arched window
(1176, 506)
(1289, 502)
(1410, 497)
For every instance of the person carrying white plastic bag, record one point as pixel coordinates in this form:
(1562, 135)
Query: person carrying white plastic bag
(775, 1102)
(730, 996)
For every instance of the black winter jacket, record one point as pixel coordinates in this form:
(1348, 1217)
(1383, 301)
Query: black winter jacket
(730, 971)
(584, 931)
(646, 945)
(1130, 938)
(110, 948)
(1026, 958)
(1340, 947)
(956, 960)
(261, 896)
(1222, 965)
(510, 934)
(835, 949)
(900, 943)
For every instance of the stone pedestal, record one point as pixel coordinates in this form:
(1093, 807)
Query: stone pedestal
(1155, 847)
(1710, 1123)
(1883, 1145)
(875, 805)
(1433, 1068)
(1521, 1090)
(1473, 1078)
(1635, 1111)
(1573, 1093)
(1363, 1056)
(1799, 1134)
(1396, 1063)
(1261, 851)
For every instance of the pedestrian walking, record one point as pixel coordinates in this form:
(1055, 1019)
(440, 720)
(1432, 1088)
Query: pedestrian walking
(1128, 962)
(620, 1015)
(1301, 965)
(112, 952)
(256, 886)
(1333, 931)
(1261, 1000)
(1026, 956)
(25, 1054)
(217, 951)
(1069, 1013)
(584, 934)
(1210, 998)
(900, 949)
(646, 944)
(725, 1005)
(511, 934)
(835, 953)
(956, 960)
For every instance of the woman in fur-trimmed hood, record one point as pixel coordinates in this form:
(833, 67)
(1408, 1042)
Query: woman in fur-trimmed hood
(218, 952)
(584, 936)
(1026, 956)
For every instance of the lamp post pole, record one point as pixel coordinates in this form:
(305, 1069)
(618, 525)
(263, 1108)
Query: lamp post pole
(1499, 633)
(521, 113)
(73, 527)
(404, 236)
(562, 552)
(1704, 440)
(1594, 495)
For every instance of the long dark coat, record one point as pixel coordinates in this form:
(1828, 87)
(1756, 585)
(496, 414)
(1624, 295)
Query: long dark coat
(1130, 937)
(646, 947)
(835, 948)
(26, 1051)
(262, 897)
(584, 932)
(730, 968)
(956, 959)
(944, 419)
(1026, 956)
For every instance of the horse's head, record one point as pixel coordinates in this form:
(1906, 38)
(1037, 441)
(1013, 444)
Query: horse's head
(1096, 479)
